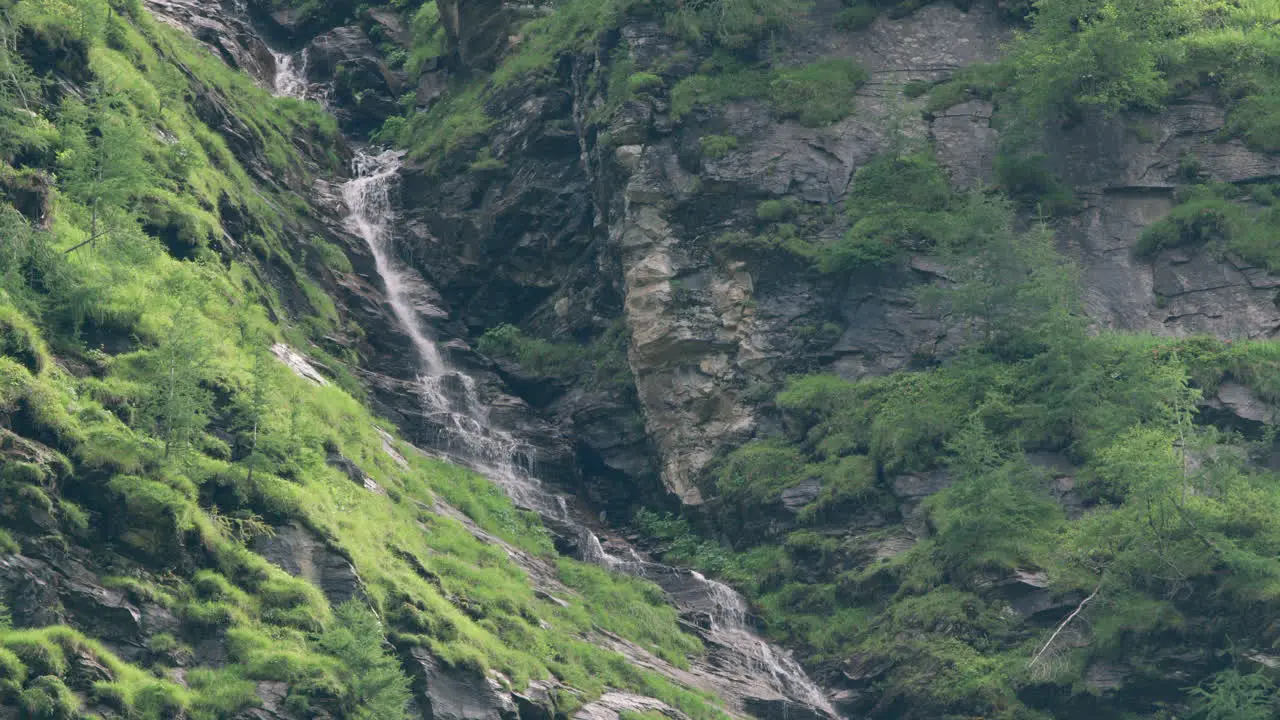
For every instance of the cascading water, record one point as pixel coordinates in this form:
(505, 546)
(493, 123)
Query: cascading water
(291, 75)
(728, 616)
(449, 398)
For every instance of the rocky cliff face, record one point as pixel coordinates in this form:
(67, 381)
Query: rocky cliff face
(587, 224)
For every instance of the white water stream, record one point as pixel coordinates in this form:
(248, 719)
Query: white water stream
(291, 74)
(449, 397)
(728, 614)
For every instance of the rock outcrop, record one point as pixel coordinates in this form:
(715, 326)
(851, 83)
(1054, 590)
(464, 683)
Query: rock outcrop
(479, 30)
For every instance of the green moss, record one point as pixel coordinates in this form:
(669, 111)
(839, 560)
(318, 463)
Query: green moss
(47, 698)
(330, 255)
(7, 544)
(644, 82)
(817, 94)
(20, 340)
(485, 162)
(715, 147)
(772, 211)
(602, 363)
(722, 81)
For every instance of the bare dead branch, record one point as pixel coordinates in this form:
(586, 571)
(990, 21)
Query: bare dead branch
(1064, 624)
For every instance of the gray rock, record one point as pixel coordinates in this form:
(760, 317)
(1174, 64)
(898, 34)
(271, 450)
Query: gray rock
(966, 143)
(1103, 678)
(1242, 402)
(227, 32)
(536, 702)
(921, 485)
(364, 90)
(796, 497)
(611, 706)
(477, 29)
(456, 694)
(297, 551)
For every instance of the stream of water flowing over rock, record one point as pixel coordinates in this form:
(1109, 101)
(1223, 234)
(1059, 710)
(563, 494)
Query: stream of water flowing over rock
(451, 399)
(291, 74)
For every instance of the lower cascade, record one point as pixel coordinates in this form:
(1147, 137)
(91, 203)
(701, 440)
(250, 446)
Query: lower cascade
(754, 669)
(291, 74)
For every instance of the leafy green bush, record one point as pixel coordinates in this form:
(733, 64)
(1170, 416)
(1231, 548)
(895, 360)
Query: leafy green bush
(47, 698)
(603, 363)
(715, 147)
(8, 544)
(1231, 695)
(898, 202)
(817, 94)
(771, 211)
(1205, 217)
(916, 88)
(485, 162)
(733, 23)
(857, 17)
(644, 82)
(1076, 57)
(721, 83)
(1215, 215)
(376, 688)
(756, 474)
(1027, 178)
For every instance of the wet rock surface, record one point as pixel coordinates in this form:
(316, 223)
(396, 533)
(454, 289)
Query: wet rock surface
(220, 25)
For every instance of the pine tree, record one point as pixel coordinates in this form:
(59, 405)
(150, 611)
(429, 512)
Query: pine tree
(377, 689)
(179, 406)
(254, 405)
(103, 164)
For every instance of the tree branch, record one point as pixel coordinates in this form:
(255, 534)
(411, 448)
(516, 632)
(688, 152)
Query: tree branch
(91, 240)
(1061, 627)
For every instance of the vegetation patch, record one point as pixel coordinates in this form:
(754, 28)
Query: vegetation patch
(817, 94)
(715, 147)
(602, 363)
(1218, 216)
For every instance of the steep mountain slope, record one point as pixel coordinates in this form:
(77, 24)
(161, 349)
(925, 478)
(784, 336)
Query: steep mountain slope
(997, 499)
(943, 333)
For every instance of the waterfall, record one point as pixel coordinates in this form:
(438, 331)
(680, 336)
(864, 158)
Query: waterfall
(739, 662)
(728, 615)
(450, 399)
(291, 76)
